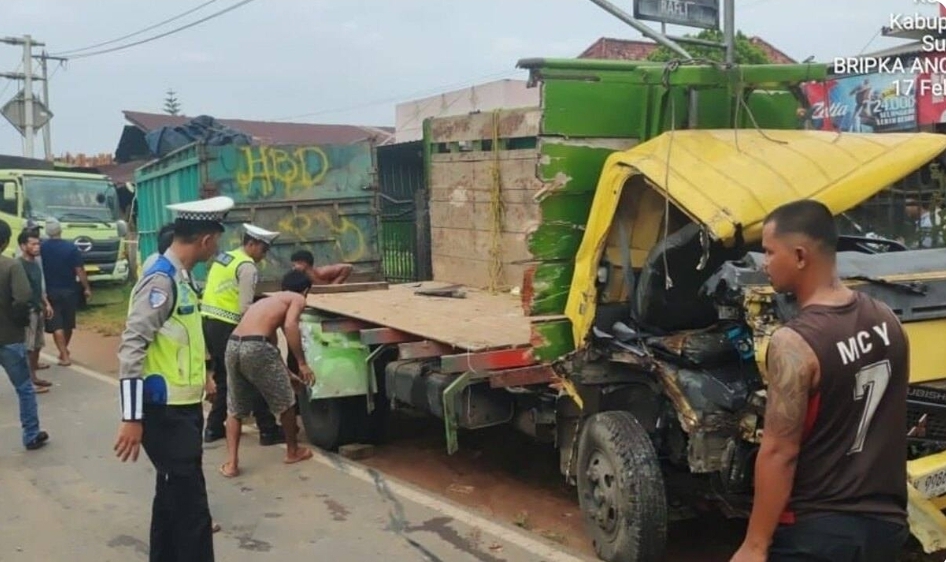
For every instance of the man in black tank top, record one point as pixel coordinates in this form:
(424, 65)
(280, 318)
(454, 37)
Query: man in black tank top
(830, 476)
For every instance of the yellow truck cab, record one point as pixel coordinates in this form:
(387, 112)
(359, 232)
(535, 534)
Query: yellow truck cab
(86, 205)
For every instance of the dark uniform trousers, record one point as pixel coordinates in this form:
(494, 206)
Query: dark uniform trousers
(180, 516)
(216, 334)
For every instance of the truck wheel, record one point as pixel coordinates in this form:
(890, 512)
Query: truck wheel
(332, 422)
(621, 489)
(322, 420)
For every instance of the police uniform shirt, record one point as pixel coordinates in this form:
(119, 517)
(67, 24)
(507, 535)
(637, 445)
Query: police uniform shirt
(247, 275)
(152, 301)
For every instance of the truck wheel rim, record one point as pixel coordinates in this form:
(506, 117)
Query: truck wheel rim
(604, 494)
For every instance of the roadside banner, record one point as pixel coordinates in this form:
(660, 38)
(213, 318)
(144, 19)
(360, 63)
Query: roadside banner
(931, 93)
(867, 103)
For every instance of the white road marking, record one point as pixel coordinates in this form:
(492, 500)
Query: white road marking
(400, 489)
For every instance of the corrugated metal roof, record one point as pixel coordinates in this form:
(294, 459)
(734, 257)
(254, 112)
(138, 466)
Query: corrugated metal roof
(272, 132)
(628, 49)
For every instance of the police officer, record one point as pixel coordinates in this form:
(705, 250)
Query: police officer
(230, 288)
(160, 395)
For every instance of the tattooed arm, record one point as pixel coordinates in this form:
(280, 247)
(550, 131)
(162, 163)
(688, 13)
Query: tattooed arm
(792, 374)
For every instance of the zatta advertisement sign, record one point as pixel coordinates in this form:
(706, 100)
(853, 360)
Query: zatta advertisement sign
(869, 103)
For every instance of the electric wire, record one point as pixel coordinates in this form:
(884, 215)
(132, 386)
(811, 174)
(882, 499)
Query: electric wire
(165, 34)
(139, 32)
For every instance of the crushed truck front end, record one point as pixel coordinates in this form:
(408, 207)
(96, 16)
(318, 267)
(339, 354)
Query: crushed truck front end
(668, 289)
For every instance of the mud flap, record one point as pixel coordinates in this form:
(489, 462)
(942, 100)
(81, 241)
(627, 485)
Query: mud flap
(924, 508)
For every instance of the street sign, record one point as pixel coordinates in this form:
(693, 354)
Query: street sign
(691, 13)
(15, 112)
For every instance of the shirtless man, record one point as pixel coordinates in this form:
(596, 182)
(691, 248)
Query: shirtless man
(253, 360)
(333, 274)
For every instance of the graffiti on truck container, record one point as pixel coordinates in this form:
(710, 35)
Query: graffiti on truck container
(264, 171)
(350, 241)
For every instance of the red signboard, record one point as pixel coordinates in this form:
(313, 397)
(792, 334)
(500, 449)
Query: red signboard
(930, 90)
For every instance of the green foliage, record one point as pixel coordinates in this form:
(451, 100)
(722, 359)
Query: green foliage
(171, 105)
(746, 52)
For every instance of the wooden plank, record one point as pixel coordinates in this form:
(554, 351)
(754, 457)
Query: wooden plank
(347, 287)
(476, 244)
(344, 325)
(423, 350)
(487, 360)
(478, 216)
(524, 376)
(513, 123)
(473, 272)
(476, 173)
(463, 194)
(478, 322)
(379, 336)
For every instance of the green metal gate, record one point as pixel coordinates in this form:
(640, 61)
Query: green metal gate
(405, 226)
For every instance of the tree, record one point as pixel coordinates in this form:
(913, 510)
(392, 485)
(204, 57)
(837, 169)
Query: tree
(171, 105)
(746, 52)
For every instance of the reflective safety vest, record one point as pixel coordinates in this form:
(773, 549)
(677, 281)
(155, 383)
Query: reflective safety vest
(174, 370)
(221, 299)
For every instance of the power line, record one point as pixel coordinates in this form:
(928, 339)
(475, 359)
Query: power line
(165, 34)
(139, 32)
(433, 90)
(7, 87)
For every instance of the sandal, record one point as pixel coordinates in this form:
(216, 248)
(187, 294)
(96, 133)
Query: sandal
(41, 382)
(40, 389)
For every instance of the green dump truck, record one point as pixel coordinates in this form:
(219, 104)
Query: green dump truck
(618, 312)
(85, 204)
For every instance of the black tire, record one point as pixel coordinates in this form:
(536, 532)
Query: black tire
(330, 423)
(621, 489)
(322, 420)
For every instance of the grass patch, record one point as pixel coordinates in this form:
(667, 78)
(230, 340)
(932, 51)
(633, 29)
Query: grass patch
(106, 312)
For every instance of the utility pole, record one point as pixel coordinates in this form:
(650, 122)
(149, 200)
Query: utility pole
(28, 123)
(47, 134)
(729, 30)
(28, 93)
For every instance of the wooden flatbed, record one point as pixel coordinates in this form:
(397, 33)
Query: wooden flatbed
(480, 321)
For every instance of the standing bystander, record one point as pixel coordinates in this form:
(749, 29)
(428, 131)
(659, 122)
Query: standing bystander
(62, 264)
(14, 317)
(40, 309)
(830, 474)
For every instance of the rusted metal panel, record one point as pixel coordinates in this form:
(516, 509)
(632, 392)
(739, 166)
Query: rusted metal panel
(345, 325)
(537, 374)
(487, 360)
(378, 336)
(423, 350)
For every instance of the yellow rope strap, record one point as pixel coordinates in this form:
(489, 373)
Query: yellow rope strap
(496, 212)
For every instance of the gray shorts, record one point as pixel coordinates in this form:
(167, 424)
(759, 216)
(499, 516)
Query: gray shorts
(35, 332)
(256, 364)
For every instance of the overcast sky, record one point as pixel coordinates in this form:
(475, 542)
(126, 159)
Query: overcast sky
(346, 61)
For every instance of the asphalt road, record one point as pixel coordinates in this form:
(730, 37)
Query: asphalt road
(74, 501)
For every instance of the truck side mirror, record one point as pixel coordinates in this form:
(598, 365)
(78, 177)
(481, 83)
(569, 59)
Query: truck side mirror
(9, 191)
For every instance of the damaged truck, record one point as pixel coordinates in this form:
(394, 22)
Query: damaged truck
(636, 344)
